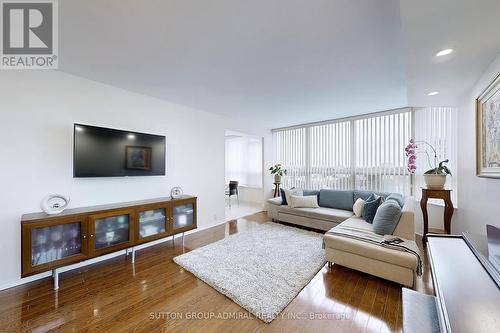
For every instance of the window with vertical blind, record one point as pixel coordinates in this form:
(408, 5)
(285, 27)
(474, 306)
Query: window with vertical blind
(364, 152)
(330, 156)
(380, 163)
(290, 146)
(438, 127)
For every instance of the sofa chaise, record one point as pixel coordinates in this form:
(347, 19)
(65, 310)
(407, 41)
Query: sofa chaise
(336, 207)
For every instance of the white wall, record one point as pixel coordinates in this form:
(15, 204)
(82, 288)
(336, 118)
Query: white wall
(478, 198)
(38, 109)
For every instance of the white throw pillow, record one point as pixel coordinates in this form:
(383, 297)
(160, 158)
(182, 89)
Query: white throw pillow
(309, 201)
(358, 207)
(289, 193)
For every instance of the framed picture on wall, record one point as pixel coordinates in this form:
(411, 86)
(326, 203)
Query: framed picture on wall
(138, 158)
(488, 131)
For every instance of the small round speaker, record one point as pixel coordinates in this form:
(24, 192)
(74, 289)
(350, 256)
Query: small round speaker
(176, 192)
(54, 204)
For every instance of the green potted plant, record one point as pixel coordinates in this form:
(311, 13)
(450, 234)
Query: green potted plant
(278, 172)
(435, 178)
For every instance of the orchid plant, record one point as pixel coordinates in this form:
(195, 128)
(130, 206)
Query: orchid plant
(278, 170)
(411, 151)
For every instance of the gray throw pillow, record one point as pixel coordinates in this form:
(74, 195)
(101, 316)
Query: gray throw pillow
(336, 199)
(371, 206)
(397, 198)
(366, 194)
(387, 218)
(311, 192)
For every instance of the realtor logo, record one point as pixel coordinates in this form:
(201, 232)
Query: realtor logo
(29, 34)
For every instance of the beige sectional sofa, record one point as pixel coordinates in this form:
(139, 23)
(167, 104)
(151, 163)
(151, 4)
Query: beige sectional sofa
(386, 263)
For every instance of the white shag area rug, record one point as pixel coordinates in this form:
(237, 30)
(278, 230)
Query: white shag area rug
(261, 269)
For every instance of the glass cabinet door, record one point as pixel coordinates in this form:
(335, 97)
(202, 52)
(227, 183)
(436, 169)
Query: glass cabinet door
(183, 216)
(53, 243)
(110, 231)
(152, 222)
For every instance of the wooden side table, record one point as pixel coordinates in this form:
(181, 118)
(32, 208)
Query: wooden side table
(276, 190)
(443, 194)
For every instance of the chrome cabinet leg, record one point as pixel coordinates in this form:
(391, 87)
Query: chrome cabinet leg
(55, 277)
(182, 239)
(133, 255)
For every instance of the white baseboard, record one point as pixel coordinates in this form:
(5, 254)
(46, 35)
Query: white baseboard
(63, 269)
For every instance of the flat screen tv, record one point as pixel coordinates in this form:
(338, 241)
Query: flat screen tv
(106, 152)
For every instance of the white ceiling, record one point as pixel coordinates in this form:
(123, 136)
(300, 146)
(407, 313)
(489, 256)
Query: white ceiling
(470, 27)
(282, 62)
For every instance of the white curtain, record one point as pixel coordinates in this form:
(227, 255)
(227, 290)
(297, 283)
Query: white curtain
(244, 161)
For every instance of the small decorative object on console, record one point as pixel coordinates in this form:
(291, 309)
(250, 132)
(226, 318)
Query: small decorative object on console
(176, 192)
(54, 204)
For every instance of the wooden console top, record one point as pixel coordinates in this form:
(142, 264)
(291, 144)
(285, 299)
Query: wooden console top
(99, 208)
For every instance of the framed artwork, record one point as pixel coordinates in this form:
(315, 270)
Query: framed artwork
(138, 158)
(488, 131)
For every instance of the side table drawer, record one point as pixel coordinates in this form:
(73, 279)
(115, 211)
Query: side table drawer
(437, 194)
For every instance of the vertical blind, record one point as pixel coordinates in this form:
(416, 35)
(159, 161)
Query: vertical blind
(290, 146)
(364, 152)
(438, 127)
(330, 156)
(380, 163)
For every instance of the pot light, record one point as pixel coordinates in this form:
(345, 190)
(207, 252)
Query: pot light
(433, 93)
(78, 128)
(444, 52)
(131, 136)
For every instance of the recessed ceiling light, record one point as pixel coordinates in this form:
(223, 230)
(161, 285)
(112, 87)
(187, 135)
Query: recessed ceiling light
(131, 136)
(433, 93)
(78, 128)
(444, 52)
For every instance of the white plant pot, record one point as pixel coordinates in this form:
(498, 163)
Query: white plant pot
(433, 181)
(277, 178)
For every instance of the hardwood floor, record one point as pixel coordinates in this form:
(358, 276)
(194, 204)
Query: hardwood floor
(156, 295)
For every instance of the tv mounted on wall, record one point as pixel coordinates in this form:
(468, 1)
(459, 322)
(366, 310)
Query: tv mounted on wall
(106, 152)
